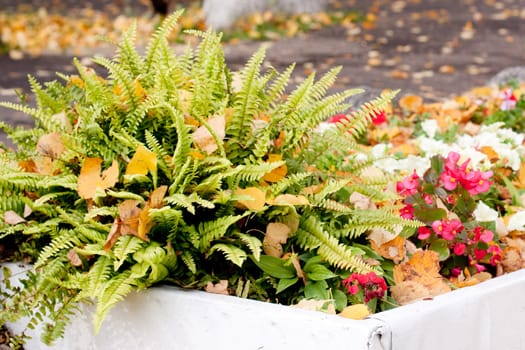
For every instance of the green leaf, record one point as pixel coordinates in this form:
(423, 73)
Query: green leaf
(430, 215)
(340, 299)
(441, 246)
(319, 272)
(274, 267)
(316, 290)
(284, 283)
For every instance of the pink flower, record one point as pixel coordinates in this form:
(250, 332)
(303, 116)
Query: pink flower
(409, 185)
(450, 180)
(428, 198)
(483, 234)
(353, 289)
(479, 267)
(478, 182)
(460, 248)
(423, 233)
(496, 252)
(448, 229)
(455, 271)
(509, 100)
(407, 212)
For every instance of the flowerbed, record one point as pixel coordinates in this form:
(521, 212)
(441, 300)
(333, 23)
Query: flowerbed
(173, 169)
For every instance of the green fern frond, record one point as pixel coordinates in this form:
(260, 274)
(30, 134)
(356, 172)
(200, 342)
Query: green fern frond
(232, 253)
(160, 153)
(189, 261)
(158, 39)
(114, 291)
(253, 243)
(311, 235)
(125, 246)
(245, 104)
(126, 52)
(288, 182)
(215, 229)
(63, 240)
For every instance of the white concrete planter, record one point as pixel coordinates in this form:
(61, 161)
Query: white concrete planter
(486, 316)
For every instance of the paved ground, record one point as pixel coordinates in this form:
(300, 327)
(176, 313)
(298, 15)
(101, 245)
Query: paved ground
(435, 48)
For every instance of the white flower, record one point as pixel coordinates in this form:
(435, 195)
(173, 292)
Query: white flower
(430, 127)
(517, 221)
(484, 213)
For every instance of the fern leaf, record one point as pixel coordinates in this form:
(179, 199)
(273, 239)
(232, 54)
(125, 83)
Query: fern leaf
(234, 254)
(125, 246)
(114, 291)
(253, 243)
(215, 229)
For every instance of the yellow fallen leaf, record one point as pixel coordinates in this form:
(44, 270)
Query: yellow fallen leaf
(90, 178)
(256, 198)
(520, 181)
(288, 199)
(355, 312)
(143, 161)
(276, 234)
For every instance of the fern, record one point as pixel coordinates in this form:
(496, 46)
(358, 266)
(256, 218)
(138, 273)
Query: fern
(232, 253)
(215, 229)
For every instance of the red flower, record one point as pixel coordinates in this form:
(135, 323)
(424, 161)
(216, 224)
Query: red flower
(409, 185)
(337, 118)
(423, 233)
(379, 117)
(372, 285)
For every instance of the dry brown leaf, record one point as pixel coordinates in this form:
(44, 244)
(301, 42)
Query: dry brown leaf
(276, 174)
(129, 215)
(393, 249)
(74, 258)
(256, 198)
(355, 312)
(143, 161)
(316, 305)
(113, 236)
(276, 234)
(50, 145)
(406, 292)
(422, 268)
(217, 288)
(360, 201)
(513, 257)
(12, 218)
(204, 139)
(90, 178)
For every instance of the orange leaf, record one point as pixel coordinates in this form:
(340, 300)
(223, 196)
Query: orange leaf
(490, 153)
(155, 201)
(411, 103)
(521, 176)
(256, 198)
(114, 234)
(90, 178)
(277, 173)
(143, 161)
(276, 234)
